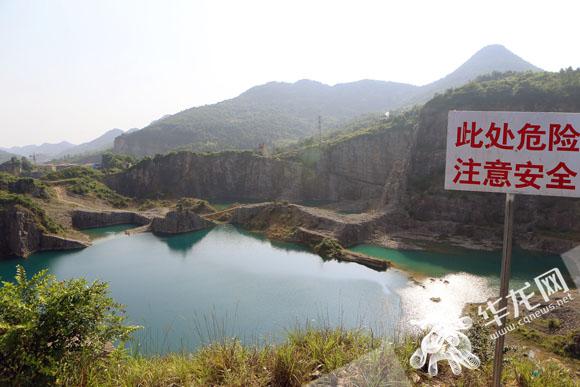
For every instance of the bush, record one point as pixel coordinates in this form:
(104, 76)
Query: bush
(49, 328)
(329, 248)
(195, 205)
(43, 221)
(74, 172)
(86, 186)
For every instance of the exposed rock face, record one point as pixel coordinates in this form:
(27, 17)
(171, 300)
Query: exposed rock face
(323, 231)
(227, 176)
(176, 222)
(427, 201)
(356, 169)
(21, 236)
(397, 170)
(82, 219)
(315, 240)
(348, 230)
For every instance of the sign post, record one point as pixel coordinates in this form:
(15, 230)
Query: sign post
(504, 282)
(526, 153)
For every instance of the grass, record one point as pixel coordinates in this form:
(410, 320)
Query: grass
(87, 186)
(305, 354)
(23, 185)
(560, 344)
(518, 370)
(43, 221)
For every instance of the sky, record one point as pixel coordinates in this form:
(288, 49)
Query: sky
(71, 70)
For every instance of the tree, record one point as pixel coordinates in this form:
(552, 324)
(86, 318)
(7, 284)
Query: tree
(48, 327)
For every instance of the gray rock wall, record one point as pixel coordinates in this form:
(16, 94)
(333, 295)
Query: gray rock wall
(22, 237)
(82, 219)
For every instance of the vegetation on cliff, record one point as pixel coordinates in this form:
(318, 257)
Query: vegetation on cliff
(198, 206)
(87, 182)
(23, 185)
(42, 221)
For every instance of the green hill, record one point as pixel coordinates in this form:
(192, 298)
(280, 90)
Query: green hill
(278, 113)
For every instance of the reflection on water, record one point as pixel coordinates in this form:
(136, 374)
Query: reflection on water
(193, 288)
(189, 289)
(442, 299)
(100, 233)
(525, 264)
(183, 243)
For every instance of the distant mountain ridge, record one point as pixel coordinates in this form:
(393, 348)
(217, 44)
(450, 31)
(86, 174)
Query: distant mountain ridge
(270, 113)
(102, 142)
(277, 112)
(5, 156)
(43, 151)
(47, 152)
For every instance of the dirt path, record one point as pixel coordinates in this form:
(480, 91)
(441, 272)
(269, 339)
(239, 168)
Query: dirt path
(61, 197)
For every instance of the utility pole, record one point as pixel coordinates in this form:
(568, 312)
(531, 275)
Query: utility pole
(320, 131)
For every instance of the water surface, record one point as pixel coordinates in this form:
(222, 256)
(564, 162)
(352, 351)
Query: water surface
(193, 288)
(190, 289)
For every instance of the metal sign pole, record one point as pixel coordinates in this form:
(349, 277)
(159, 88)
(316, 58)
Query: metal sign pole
(504, 283)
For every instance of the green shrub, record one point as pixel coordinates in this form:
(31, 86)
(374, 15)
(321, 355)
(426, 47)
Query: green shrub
(44, 222)
(49, 328)
(195, 205)
(86, 186)
(74, 172)
(328, 248)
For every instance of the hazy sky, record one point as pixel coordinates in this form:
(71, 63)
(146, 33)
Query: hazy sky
(70, 70)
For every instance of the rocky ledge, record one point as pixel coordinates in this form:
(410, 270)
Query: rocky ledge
(179, 221)
(325, 232)
(276, 217)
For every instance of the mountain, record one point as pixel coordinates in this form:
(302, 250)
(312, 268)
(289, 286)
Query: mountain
(493, 58)
(269, 113)
(396, 165)
(277, 112)
(43, 152)
(99, 144)
(5, 156)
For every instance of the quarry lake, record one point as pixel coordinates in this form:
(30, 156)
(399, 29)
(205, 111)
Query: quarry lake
(194, 288)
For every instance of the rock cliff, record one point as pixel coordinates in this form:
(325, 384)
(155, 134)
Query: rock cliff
(179, 221)
(22, 236)
(353, 169)
(396, 168)
(83, 219)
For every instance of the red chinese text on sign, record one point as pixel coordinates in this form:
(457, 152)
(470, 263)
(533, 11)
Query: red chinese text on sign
(514, 152)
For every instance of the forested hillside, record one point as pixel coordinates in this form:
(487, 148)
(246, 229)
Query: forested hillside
(270, 114)
(426, 200)
(278, 113)
(394, 164)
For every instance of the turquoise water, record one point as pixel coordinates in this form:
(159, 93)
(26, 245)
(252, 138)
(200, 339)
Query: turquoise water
(194, 288)
(486, 264)
(191, 289)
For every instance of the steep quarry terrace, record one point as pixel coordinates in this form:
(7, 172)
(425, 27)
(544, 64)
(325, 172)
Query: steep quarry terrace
(323, 231)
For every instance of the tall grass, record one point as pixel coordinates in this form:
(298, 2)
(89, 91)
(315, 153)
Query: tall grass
(301, 358)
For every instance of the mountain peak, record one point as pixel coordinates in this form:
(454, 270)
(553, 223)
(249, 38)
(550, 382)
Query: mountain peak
(488, 59)
(498, 58)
